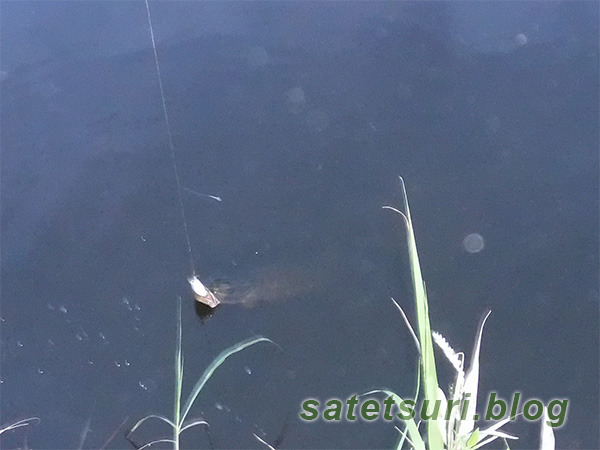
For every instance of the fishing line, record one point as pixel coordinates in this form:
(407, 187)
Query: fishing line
(171, 146)
(176, 172)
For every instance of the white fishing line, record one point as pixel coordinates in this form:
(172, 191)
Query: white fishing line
(171, 146)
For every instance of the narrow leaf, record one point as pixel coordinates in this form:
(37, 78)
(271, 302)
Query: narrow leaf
(472, 382)
(220, 359)
(411, 426)
(430, 382)
(546, 434)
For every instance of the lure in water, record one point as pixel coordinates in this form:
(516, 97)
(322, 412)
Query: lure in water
(202, 294)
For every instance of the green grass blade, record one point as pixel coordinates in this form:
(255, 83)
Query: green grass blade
(418, 345)
(265, 443)
(430, 381)
(158, 441)
(193, 424)
(546, 434)
(472, 381)
(220, 359)
(415, 396)
(151, 416)
(408, 325)
(473, 439)
(178, 375)
(411, 425)
(20, 423)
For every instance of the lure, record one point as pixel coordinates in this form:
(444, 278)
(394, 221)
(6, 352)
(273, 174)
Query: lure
(202, 294)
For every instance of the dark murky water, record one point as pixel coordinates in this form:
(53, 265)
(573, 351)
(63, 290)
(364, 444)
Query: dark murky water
(299, 117)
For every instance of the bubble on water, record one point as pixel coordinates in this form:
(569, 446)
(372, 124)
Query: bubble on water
(127, 303)
(81, 336)
(473, 243)
(222, 407)
(520, 39)
(147, 384)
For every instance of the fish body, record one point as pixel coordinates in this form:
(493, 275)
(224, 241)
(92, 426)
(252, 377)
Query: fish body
(202, 294)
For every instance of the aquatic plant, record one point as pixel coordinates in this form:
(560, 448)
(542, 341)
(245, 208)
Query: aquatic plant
(449, 432)
(178, 423)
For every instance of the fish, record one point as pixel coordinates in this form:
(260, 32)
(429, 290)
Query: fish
(203, 295)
